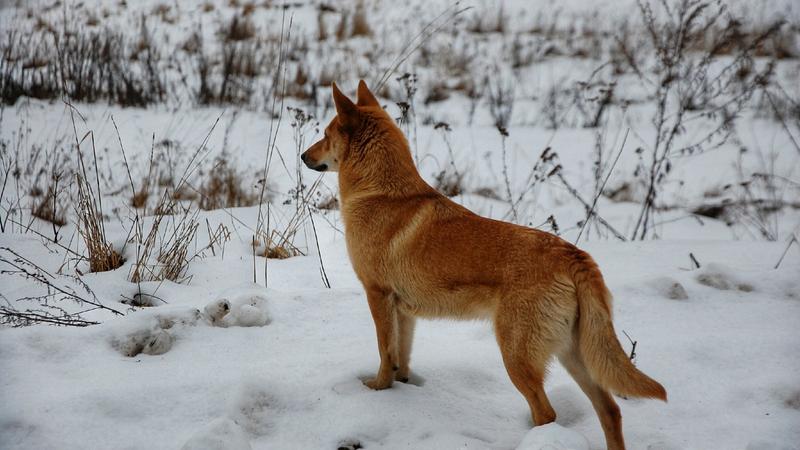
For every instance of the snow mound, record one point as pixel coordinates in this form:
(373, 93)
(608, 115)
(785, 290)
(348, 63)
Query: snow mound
(220, 434)
(146, 332)
(722, 277)
(553, 437)
(246, 307)
(669, 287)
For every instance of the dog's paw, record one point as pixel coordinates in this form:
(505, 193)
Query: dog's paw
(401, 376)
(377, 385)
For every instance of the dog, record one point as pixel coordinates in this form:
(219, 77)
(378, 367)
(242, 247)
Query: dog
(420, 255)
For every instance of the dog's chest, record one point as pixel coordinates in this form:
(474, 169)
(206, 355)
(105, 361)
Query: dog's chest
(371, 232)
(366, 246)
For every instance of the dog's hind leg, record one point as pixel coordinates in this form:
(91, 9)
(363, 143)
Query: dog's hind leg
(529, 333)
(526, 366)
(528, 377)
(603, 403)
(405, 339)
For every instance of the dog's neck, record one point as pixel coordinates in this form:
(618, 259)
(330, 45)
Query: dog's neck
(382, 167)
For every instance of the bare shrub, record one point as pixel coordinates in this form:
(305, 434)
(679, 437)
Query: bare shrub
(233, 79)
(46, 308)
(222, 187)
(752, 202)
(238, 29)
(501, 99)
(277, 240)
(551, 108)
(483, 21)
(593, 98)
(83, 65)
(360, 22)
(408, 110)
(49, 208)
(680, 78)
(162, 253)
(322, 29)
(139, 198)
(352, 23)
(437, 91)
(449, 181)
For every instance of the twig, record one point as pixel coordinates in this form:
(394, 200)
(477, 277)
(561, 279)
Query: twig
(574, 192)
(40, 275)
(694, 260)
(602, 186)
(322, 272)
(793, 240)
(22, 318)
(423, 35)
(633, 345)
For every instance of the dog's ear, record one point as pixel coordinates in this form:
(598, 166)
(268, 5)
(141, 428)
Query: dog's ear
(349, 117)
(365, 97)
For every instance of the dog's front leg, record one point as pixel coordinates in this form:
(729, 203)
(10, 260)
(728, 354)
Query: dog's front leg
(385, 317)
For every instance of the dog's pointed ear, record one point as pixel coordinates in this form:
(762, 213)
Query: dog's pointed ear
(346, 110)
(365, 97)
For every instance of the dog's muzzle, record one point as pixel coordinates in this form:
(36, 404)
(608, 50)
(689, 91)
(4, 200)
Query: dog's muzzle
(310, 165)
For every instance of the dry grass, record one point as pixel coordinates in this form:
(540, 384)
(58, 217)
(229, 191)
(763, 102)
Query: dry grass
(173, 253)
(49, 204)
(238, 29)
(222, 188)
(47, 209)
(360, 22)
(162, 254)
(101, 254)
(139, 199)
(83, 64)
(449, 183)
(353, 23)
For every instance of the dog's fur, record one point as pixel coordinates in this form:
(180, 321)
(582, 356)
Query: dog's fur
(418, 254)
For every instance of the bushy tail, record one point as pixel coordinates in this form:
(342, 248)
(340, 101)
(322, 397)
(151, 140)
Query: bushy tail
(600, 349)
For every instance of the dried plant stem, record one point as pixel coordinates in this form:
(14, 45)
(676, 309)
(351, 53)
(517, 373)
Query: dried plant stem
(599, 192)
(588, 207)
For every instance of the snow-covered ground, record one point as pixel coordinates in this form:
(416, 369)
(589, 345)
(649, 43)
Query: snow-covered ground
(724, 344)
(246, 352)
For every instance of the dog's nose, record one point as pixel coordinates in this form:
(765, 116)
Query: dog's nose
(303, 157)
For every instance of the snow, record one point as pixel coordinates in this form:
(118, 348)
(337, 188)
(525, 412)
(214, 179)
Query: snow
(726, 356)
(220, 434)
(553, 437)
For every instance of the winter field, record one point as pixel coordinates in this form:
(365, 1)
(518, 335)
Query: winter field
(172, 276)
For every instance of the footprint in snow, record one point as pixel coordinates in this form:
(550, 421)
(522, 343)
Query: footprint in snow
(670, 288)
(220, 434)
(723, 278)
(255, 408)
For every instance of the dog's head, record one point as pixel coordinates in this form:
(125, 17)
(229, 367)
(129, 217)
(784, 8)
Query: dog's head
(335, 146)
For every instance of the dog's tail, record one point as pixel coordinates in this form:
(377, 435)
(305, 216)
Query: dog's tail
(599, 347)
